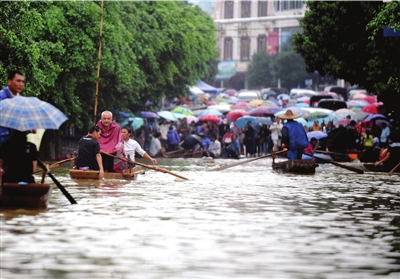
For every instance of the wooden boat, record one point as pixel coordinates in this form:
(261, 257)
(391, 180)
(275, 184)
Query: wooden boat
(295, 166)
(181, 153)
(94, 175)
(373, 168)
(26, 196)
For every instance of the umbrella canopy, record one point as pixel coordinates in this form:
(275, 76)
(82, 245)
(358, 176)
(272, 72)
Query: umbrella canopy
(242, 121)
(343, 122)
(149, 114)
(255, 103)
(242, 104)
(167, 115)
(345, 111)
(183, 111)
(304, 99)
(29, 113)
(240, 107)
(375, 116)
(209, 112)
(316, 115)
(191, 119)
(302, 105)
(357, 103)
(370, 99)
(211, 103)
(133, 122)
(360, 115)
(370, 108)
(316, 134)
(302, 121)
(359, 96)
(233, 100)
(235, 114)
(262, 111)
(210, 117)
(221, 107)
(271, 103)
(265, 120)
(269, 93)
(284, 96)
(231, 92)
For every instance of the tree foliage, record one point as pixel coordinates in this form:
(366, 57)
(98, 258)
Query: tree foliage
(149, 50)
(345, 39)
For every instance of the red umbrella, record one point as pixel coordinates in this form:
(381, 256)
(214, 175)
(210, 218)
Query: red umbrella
(236, 113)
(210, 117)
(370, 108)
(370, 99)
(261, 111)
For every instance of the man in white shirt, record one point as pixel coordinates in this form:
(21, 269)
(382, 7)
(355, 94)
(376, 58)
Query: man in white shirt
(155, 145)
(215, 147)
(276, 133)
(164, 128)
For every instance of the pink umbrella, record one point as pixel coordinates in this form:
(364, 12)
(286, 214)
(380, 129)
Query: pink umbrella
(210, 117)
(191, 118)
(370, 99)
(359, 96)
(210, 103)
(262, 111)
(231, 92)
(242, 104)
(240, 107)
(370, 108)
(304, 100)
(344, 111)
(236, 113)
(343, 122)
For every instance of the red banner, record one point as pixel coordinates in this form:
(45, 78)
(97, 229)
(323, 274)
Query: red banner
(272, 43)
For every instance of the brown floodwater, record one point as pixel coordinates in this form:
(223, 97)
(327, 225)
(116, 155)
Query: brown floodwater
(242, 222)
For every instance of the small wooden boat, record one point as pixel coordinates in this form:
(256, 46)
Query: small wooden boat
(295, 166)
(181, 153)
(373, 168)
(131, 174)
(25, 196)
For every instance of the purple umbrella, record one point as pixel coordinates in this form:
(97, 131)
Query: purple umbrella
(149, 114)
(374, 116)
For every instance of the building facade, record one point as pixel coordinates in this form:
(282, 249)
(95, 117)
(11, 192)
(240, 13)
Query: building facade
(247, 27)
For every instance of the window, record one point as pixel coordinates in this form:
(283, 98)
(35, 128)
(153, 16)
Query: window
(245, 8)
(228, 48)
(262, 43)
(288, 5)
(228, 9)
(262, 8)
(245, 48)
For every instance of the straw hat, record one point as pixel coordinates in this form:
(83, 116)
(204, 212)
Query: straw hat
(289, 115)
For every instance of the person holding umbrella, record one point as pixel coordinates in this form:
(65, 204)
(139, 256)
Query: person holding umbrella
(15, 84)
(294, 136)
(18, 159)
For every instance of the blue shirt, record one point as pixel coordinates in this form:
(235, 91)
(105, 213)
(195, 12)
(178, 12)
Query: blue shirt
(236, 146)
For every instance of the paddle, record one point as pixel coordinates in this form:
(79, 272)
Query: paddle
(56, 164)
(144, 165)
(337, 164)
(62, 189)
(394, 169)
(247, 161)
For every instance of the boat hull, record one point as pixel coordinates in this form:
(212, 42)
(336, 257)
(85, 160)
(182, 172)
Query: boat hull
(94, 175)
(373, 168)
(26, 196)
(295, 166)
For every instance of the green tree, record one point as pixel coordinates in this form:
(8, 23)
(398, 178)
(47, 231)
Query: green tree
(336, 40)
(259, 73)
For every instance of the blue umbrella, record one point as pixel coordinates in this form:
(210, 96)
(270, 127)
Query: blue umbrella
(133, 122)
(29, 113)
(208, 112)
(149, 114)
(167, 115)
(242, 121)
(316, 134)
(284, 96)
(233, 100)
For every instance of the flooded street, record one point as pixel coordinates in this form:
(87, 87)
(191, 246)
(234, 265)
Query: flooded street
(242, 222)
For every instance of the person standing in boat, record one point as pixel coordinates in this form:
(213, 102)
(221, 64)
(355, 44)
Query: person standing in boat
(392, 156)
(18, 159)
(110, 141)
(89, 156)
(131, 146)
(294, 136)
(15, 84)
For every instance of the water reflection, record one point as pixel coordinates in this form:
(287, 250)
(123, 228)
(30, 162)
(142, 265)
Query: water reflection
(243, 222)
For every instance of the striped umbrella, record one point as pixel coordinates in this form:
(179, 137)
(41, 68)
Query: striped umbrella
(179, 112)
(29, 113)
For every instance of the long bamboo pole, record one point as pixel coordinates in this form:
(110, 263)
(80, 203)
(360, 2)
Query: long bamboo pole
(98, 63)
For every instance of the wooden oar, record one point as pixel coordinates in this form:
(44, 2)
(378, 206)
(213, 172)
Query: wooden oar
(62, 189)
(56, 164)
(338, 165)
(394, 169)
(144, 165)
(247, 161)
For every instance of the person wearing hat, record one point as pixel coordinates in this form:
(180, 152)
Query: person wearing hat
(294, 136)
